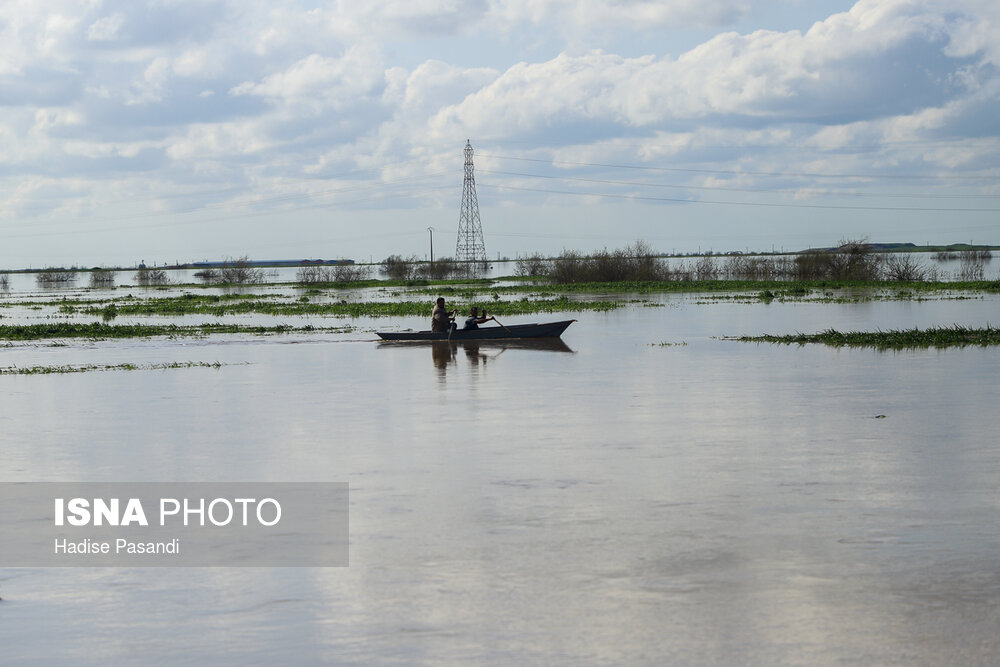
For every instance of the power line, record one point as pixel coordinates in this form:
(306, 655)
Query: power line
(744, 203)
(243, 188)
(734, 172)
(728, 189)
(199, 221)
(221, 206)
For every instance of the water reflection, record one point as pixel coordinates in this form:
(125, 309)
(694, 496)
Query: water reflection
(477, 353)
(709, 486)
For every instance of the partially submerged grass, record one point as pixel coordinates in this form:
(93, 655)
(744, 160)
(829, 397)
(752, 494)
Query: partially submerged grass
(786, 287)
(99, 330)
(937, 337)
(235, 304)
(84, 368)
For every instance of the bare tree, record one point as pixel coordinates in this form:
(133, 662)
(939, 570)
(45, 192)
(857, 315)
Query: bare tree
(240, 272)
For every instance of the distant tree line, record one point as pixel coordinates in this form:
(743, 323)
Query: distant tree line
(852, 260)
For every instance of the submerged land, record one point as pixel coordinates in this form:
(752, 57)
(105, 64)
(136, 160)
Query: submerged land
(239, 300)
(937, 337)
(101, 314)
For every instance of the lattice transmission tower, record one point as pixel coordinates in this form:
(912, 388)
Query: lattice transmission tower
(470, 246)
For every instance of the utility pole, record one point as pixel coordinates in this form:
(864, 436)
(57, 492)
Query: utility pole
(431, 230)
(470, 247)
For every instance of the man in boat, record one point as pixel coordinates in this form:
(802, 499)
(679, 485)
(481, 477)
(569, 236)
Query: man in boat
(475, 319)
(442, 318)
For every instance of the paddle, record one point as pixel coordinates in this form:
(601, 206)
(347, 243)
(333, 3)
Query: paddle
(504, 328)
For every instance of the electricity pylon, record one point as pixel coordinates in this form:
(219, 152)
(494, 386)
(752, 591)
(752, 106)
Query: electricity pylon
(470, 247)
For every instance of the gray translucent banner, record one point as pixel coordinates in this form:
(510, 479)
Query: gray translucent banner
(191, 524)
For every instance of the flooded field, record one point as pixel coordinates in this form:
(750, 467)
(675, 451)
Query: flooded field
(645, 493)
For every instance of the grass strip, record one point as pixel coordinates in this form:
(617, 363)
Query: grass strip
(937, 337)
(46, 370)
(184, 305)
(99, 330)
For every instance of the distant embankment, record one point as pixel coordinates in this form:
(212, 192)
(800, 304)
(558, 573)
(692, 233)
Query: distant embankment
(262, 263)
(911, 247)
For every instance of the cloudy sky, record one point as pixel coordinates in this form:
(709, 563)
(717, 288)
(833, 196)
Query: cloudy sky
(187, 130)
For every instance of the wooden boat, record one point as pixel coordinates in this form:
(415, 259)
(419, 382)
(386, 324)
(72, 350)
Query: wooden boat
(515, 331)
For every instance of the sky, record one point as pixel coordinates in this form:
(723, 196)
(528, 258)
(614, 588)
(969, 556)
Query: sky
(176, 131)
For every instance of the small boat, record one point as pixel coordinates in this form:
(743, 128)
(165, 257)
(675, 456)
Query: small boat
(544, 330)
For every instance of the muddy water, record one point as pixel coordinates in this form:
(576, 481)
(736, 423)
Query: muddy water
(645, 494)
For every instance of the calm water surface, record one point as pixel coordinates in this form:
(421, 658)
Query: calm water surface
(647, 494)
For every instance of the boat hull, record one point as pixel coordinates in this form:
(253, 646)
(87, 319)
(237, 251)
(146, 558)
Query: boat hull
(516, 331)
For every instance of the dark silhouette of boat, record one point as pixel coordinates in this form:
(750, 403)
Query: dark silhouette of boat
(514, 331)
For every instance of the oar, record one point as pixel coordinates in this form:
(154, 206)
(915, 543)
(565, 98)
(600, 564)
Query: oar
(504, 328)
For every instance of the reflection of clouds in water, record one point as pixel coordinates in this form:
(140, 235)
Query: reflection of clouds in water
(742, 497)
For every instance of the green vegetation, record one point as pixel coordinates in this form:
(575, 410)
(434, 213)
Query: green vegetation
(522, 298)
(99, 330)
(234, 304)
(46, 370)
(938, 337)
(602, 281)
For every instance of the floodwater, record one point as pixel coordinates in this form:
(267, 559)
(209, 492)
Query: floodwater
(644, 494)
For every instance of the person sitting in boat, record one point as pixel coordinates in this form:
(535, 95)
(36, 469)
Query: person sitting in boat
(442, 319)
(475, 319)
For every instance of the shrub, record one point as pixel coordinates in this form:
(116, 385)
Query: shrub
(350, 273)
(813, 265)
(312, 274)
(705, 269)
(904, 267)
(442, 268)
(340, 273)
(853, 260)
(569, 267)
(395, 267)
(240, 272)
(748, 267)
(147, 277)
(533, 266)
(972, 264)
(55, 277)
(635, 262)
(207, 276)
(102, 278)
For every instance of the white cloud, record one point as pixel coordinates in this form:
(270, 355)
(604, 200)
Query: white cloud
(337, 81)
(633, 14)
(881, 59)
(105, 28)
(257, 90)
(46, 119)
